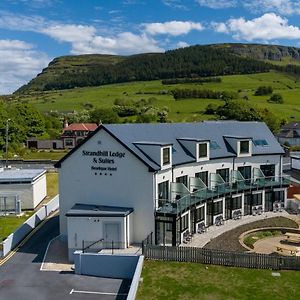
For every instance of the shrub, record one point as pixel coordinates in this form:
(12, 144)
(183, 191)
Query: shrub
(276, 98)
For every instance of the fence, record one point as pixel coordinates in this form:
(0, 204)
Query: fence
(97, 246)
(219, 257)
(15, 238)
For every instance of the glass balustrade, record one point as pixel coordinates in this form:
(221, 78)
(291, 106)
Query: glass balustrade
(181, 198)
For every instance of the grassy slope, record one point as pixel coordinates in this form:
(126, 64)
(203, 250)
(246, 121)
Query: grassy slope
(183, 110)
(176, 280)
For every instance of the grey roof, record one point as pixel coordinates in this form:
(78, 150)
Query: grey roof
(215, 131)
(20, 175)
(89, 210)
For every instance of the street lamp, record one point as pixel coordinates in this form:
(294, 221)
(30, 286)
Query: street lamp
(6, 143)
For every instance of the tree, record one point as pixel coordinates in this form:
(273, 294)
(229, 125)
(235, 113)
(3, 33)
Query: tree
(263, 90)
(276, 98)
(103, 115)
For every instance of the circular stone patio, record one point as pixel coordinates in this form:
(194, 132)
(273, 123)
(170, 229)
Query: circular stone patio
(267, 245)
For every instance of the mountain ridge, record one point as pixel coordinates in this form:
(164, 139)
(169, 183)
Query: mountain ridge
(72, 71)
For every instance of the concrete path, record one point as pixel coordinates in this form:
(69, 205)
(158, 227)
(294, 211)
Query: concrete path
(199, 240)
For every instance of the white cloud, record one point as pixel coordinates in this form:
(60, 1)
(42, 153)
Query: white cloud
(219, 27)
(283, 7)
(173, 28)
(217, 4)
(182, 44)
(265, 28)
(122, 43)
(21, 64)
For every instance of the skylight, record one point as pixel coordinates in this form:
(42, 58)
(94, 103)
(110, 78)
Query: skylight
(214, 145)
(260, 143)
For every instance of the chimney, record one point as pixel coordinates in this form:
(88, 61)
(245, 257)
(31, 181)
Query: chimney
(66, 123)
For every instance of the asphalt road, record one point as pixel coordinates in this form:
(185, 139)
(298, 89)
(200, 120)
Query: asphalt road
(21, 278)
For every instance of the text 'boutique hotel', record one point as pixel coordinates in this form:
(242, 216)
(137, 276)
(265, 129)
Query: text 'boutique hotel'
(126, 181)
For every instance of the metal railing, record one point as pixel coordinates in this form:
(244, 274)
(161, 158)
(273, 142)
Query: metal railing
(100, 245)
(180, 201)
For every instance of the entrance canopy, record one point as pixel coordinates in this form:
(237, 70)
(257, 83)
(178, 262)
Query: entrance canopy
(89, 210)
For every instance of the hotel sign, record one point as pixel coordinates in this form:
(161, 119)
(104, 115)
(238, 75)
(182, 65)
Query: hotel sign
(102, 158)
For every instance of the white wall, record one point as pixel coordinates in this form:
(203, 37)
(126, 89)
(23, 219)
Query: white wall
(130, 185)
(39, 190)
(295, 163)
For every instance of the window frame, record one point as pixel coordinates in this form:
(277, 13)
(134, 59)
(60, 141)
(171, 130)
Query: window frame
(242, 152)
(164, 162)
(199, 150)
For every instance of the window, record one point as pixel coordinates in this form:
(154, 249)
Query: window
(261, 143)
(244, 147)
(236, 203)
(163, 190)
(268, 170)
(257, 199)
(245, 171)
(184, 222)
(69, 142)
(214, 145)
(166, 156)
(218, 208)
(183, 179)
(224, 173)
(203, 176)
(200, 214)
(202, 150)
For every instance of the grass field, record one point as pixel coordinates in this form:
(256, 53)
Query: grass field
(9, 224)
(182, 110)
(52, 155)
(177, 280)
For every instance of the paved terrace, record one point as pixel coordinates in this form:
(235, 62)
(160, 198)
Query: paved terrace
(200, 240)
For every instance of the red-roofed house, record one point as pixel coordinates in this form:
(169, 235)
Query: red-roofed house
(74, 133)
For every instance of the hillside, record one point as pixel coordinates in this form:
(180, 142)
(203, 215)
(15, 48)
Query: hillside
(196, 61)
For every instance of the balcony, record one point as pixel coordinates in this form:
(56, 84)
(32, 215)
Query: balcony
(181, 198)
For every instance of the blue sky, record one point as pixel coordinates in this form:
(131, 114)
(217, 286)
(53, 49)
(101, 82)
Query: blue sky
(33, 32)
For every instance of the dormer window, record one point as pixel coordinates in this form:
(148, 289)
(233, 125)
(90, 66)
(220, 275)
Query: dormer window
(244, 147)
(202, 150)
(166, 156)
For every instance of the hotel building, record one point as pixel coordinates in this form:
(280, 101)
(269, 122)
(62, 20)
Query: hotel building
(125, 181)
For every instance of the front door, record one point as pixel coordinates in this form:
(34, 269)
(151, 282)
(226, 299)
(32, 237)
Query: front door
(112, 235)
(228, 208)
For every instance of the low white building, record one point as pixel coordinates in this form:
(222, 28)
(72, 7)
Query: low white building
(27, 185)
(126, 181)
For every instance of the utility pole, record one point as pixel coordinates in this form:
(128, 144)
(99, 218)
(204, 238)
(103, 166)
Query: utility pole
(6, 144)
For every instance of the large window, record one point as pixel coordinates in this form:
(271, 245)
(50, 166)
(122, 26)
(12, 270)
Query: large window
(69, 142)
(203, 176)
(184, 222)
(236, 203)
(163, 190)
(166, 156)
(218, 208)
(202, 150)
(257, 199)
(224, 173)
(245, 171)
(244, 147)
(268, 170)
(200, 214)
(183, 179)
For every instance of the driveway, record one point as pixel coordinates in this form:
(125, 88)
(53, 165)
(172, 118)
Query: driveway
(21, 278)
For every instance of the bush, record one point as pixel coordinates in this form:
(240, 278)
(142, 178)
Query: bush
(263, 90)
(276, 98)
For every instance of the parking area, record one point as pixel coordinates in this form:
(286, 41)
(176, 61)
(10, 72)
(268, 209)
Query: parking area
(21, 278)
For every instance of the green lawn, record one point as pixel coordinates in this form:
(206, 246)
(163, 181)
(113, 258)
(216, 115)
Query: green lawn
(186, 110)
(45, 154)
(177, 280)
(9, 224)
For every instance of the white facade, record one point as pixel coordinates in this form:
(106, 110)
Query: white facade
(127, 183)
